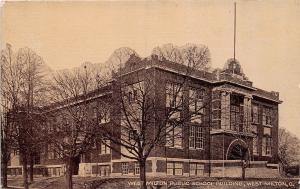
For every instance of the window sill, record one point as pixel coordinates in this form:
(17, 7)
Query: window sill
(267, 155)
(268, 135)
(174, 147)
(103, 123)
(270, 126)
(194, 149)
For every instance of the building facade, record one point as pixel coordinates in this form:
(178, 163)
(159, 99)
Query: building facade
(233, 122)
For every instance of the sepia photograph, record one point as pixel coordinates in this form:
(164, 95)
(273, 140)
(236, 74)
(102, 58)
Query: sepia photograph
(161, 94)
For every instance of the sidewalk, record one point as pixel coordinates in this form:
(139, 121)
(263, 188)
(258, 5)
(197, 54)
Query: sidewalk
(18, 187)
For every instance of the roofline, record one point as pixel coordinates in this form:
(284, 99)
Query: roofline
(213, 82)
(59, 107)
(260, 96)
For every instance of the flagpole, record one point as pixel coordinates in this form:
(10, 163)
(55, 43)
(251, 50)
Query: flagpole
(234, 35)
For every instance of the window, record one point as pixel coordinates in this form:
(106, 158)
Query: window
(267, 131)
(236, 113)
(174, 135)
(16, 152)
(174, 168)
(94, 146)
(132, 95)
(255, 145)
(132, 136)
(101, 170)
(124, 168)
(255, 114)
(129, 96)
(104, 116)
(104, 170)
(50, 126)
(196, 137)
(173, 96)
(104, 147)
(58, 155)
(95, 113)
(196, 169)
(267, 116)
(136, 168)
(131, 92)
(174, 105)
(66, 122)
(196, 106)
(51, 152)
(267, 146)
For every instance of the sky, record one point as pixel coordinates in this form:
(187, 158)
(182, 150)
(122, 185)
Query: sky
(66, 34)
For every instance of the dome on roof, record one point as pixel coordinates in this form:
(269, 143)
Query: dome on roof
(234, 68)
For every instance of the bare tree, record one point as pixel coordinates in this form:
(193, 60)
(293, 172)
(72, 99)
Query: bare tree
(21, 89)
(33, 92)
(10, 89)
(119, 57)
(145, 121)
(192, 55)
(70, 120)
(289, 146)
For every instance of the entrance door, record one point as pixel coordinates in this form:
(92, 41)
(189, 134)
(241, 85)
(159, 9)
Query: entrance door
(237, 152)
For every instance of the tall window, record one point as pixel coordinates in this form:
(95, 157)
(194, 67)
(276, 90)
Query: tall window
(255, 145)
(255, 114)
(267, 131)
(104, 116)
(51, 151)
(196, 106)
(94, 146)
(132, 95)
(173, 95)
(267, 116)
(174, 135)
(267, 146)
(174, 107)
(174, 168)
(132, 92)
(136, 168)
(101, 170)
(132, 135)
(104, 170)
(104, 147)
(95, 113)
(196, 137)
(16, 152)
(125, 169)
(236, 112)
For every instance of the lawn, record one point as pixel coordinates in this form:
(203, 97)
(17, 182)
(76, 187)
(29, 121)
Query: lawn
(161, 183)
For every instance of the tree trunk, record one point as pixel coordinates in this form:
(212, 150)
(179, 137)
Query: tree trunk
(25, 172)
(4, 172)
(69, 172)
(31, 169)
(143, 174)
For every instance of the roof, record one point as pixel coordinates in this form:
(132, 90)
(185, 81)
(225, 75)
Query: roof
(232, 74)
